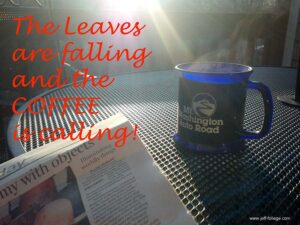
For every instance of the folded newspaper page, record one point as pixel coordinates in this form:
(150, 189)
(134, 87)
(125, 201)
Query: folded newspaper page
(90, 182)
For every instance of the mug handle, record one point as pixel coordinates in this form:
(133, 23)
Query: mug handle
(268, 107)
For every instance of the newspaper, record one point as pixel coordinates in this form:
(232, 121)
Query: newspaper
(90, 182)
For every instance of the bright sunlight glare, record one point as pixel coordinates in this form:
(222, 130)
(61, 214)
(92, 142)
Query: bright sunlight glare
(131, 5)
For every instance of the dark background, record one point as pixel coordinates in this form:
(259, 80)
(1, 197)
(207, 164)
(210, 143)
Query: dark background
(248, 32)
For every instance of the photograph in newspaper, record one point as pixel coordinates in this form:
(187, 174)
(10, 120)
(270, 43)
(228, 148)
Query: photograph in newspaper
(55, 201)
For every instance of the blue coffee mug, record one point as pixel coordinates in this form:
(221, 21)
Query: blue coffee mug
(211, 107)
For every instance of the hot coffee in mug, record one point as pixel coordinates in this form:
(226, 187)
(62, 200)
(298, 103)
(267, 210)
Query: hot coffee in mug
(211, 108)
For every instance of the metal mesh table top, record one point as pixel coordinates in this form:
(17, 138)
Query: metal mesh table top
(262, 180)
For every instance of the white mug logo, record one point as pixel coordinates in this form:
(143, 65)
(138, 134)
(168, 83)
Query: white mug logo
(204, 105)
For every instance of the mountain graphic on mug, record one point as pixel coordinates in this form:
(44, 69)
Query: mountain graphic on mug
(204, 105)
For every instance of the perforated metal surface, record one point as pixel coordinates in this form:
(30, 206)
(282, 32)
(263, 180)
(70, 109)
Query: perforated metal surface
(262, 180)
